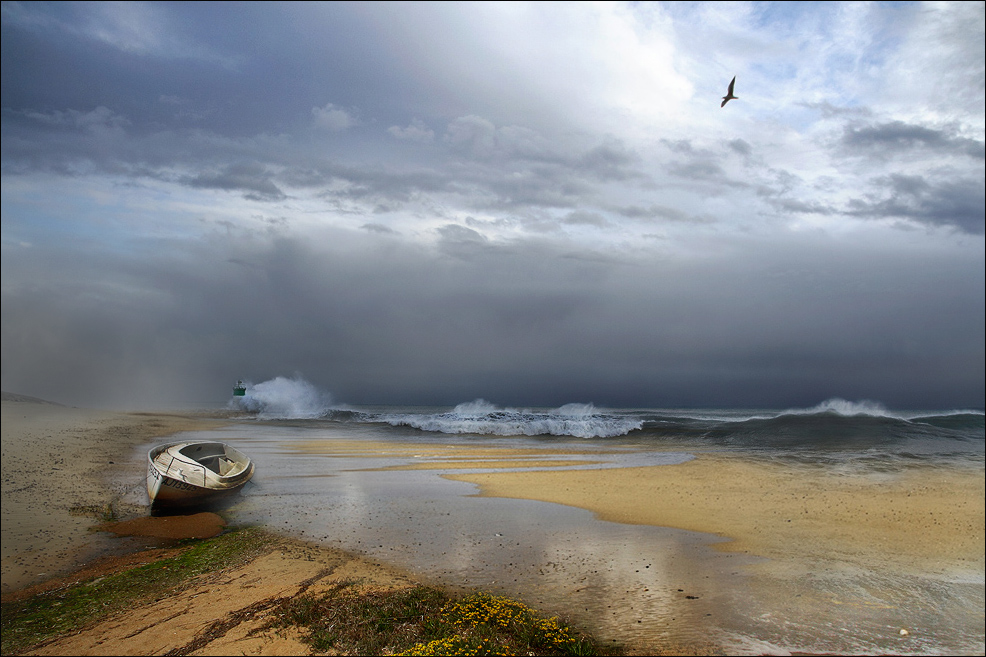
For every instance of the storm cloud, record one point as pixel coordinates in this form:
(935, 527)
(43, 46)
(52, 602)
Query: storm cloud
(430, 203)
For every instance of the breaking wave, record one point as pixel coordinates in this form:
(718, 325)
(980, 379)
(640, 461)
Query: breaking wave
(845, 408)
(834, 424)
(482, 417)
(283, 399)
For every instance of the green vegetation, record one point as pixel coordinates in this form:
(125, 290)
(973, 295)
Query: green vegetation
(346, 619)
(32, 621)
(425, 621)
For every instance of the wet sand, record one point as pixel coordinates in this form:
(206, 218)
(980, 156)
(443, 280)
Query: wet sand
(812, 546)
(928, 521)
(57, 464)
(925, 518)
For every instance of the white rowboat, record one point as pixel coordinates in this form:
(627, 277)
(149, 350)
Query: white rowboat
(195, 473)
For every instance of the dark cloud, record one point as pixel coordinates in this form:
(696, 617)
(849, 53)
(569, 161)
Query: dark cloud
(897, 137)
(375, 321)
(581, 218)
(251, 178)
(699, 169)
(461, 242)
(741, 147)
(702, 165)
(957, 203)
(610, 161)
(505, 167)
(659, 212)
(796, 206)
(436, 202)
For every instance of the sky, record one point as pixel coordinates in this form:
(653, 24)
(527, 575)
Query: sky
(530, 203)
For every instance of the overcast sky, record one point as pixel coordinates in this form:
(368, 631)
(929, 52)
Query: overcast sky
(534, 204)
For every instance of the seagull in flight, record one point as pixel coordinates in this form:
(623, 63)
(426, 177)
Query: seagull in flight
(729, 93)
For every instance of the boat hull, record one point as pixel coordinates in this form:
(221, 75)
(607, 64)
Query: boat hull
(190, 474)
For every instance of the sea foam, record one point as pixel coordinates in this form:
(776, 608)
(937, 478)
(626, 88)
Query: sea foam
(483, 418)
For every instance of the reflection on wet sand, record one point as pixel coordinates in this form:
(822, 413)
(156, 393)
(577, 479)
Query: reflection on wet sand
(840, 548)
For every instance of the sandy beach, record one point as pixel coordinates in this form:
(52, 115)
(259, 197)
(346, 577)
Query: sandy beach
(910, 520)
(914, 519)
(57, 462)
(58, 465)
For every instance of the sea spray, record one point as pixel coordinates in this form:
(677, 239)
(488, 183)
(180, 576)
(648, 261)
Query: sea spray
(284, 399)
(846, 408)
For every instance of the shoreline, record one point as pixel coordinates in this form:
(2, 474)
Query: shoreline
(799, 519)
(87, 546)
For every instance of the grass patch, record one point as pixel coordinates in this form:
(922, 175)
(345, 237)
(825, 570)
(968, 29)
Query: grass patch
(33, 621)
(424, 620)
(348, 618)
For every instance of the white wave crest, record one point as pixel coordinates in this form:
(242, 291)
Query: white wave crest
(484, 418)
(283, 399)
(845, 408)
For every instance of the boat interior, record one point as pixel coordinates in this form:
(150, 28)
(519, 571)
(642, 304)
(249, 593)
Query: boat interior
(212, 456)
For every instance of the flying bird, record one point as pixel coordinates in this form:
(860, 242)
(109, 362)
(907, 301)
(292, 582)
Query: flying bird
(729, 93)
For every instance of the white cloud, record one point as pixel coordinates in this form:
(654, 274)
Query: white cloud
(332, 118)
(416, 131)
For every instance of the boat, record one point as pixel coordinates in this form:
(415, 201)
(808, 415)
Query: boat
(239, 390)
(195, 473)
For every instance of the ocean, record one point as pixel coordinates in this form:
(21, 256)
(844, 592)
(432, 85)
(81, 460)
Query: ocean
(384, 481)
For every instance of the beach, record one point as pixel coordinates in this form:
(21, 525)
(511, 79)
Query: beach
(61, 472)
(58, 463)
(914, 520)
(789, 525)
